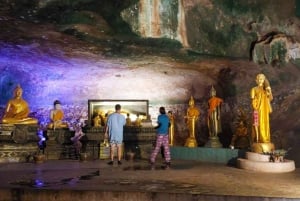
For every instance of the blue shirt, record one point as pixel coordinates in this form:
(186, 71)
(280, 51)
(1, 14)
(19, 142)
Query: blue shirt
(163, 122)
(115, 123)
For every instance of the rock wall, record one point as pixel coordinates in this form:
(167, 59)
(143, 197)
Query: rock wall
(224, 28)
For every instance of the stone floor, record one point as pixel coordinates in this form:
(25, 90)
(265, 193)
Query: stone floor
(134, 180)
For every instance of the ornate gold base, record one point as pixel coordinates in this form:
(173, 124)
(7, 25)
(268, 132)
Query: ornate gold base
(213, 142)
(265, 147)
(191, 142)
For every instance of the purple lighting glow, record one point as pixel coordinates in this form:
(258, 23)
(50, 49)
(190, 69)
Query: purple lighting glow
(42, 141)
(47, 72)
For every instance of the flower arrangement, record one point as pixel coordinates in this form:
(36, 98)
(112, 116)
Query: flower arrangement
(277, 155)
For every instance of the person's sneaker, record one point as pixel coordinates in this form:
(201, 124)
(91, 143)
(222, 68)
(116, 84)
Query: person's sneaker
(110, 163)
(119, 163)
(168, 165)
(152, 166)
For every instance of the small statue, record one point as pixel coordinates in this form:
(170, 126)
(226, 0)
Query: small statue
(192, 116)
(241, 132)
(56, 117)
(128, 120)
(214, 119)
(17, 110)
(214, 114)
(261, 97)
(240, 138)
(138, 121)
(97, 120)
(171, 128)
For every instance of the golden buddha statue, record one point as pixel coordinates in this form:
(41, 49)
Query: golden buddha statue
(171, 128)
(56, 116)
(261, 96)
(17, 110)
(138, 121)
(192, 116)
(128, 120)
(97, 120)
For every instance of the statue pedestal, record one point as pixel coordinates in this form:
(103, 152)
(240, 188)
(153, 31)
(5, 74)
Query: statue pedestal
(262, 163)
(18, 143)
(213, 142)
(191, 142)
(266, 147)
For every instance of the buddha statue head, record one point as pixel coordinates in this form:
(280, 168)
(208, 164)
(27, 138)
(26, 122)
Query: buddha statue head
(18, 91)
(191, 102)
(57, 104)
(260, 79)
(213, 91)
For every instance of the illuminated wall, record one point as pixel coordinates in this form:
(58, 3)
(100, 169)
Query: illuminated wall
(47, 74)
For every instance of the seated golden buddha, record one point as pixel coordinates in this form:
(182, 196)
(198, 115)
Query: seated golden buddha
(56, 117)
(17, 110)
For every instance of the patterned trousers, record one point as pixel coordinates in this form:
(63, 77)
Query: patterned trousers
(161, 140)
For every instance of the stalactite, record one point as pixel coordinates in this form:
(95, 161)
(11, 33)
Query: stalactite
(144, 13)
(155, 19)
(181, 29)
(150, 24)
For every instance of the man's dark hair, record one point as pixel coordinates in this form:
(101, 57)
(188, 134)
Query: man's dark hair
(118, 107)
(162, 110)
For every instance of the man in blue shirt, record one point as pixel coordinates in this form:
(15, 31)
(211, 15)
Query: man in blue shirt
(114, 132)
(162, 138)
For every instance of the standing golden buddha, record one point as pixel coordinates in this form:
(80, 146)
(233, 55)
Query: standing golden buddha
(192, 116)
(171, 128)
(261, 96)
